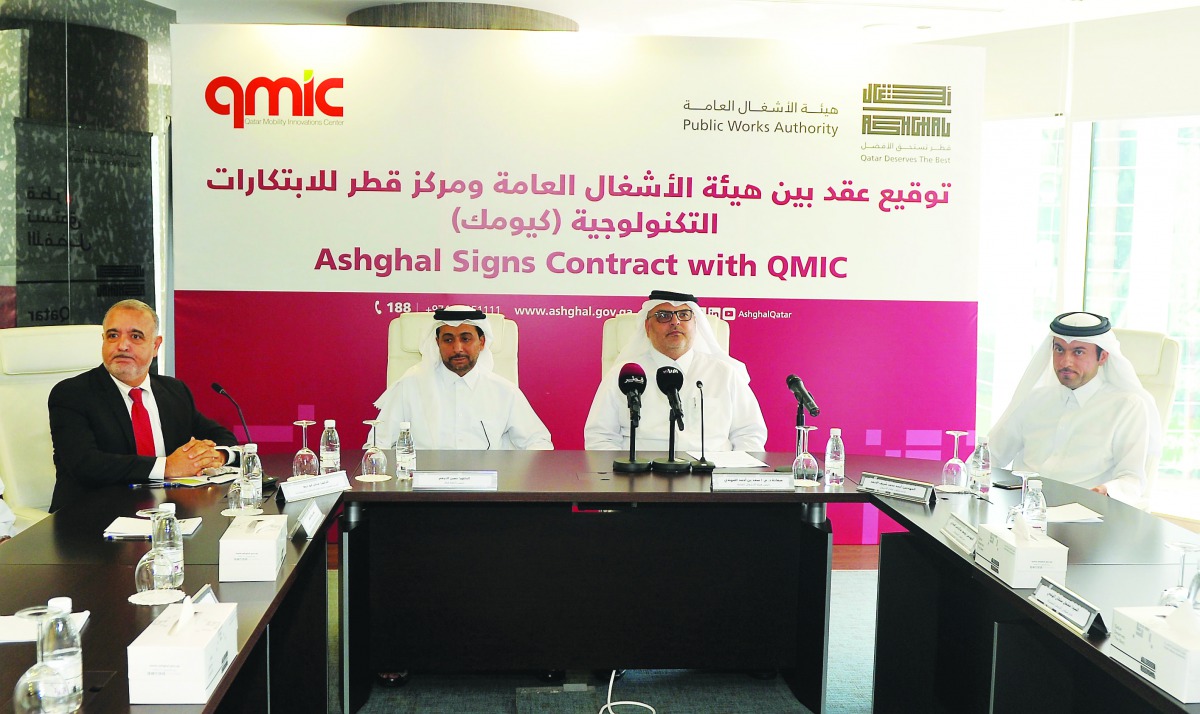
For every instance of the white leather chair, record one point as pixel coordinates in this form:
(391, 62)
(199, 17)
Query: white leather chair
(1155, 358)
(618, 330)
(406, 332)
(32, 361)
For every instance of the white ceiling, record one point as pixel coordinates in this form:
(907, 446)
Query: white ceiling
(877, 21)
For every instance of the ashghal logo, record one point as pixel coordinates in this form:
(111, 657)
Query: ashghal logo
(226, 96)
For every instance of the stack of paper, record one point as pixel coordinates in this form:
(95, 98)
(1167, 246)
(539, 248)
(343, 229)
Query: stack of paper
(126, 528)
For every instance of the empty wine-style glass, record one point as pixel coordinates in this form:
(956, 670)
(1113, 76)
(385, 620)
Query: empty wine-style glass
(954, 472)
(41, 688)
(374, 461)
(305, 462)
(805, 468)
(1178, 594)
(1025, 476)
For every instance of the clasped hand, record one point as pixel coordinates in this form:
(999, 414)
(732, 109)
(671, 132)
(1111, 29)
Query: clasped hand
(193, 457)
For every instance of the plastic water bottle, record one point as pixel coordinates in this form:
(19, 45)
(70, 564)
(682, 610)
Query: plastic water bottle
(62, 650)
(331, 448)
(251, 475)
(979, 468)
(1034, 508)
(406, 452)
(835, 459)
(167, 536)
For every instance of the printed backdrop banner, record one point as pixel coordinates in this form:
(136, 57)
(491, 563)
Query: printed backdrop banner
(823, 200)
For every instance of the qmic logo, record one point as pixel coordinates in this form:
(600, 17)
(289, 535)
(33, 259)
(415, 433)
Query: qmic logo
(226, 95)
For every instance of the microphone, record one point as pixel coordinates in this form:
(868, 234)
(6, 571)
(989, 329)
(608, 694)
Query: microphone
(802, 395)
(670, 381)
(632, 382)
(221, 390)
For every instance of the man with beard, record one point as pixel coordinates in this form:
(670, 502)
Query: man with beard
(1080, 415)
(453, 399)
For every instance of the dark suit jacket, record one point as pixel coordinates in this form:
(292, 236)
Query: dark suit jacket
(93, 434)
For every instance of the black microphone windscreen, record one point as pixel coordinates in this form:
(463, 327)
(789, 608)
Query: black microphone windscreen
(632, 378)
(670, 379)
(793, 381)
(218, 388)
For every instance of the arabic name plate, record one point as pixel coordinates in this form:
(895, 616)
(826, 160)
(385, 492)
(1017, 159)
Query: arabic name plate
(295, 489)
(762, 481)
(896, 487)
(455, 481)
(961, 533)
(309, 521)
(1068, 608)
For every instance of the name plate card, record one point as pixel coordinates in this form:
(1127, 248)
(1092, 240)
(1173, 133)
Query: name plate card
(896, 487)
(455, 481)
(1077, 614)
(761, 481)
(961, 533)
(308, 522)
(312, 486)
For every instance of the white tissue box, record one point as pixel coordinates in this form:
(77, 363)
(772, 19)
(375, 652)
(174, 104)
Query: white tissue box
(182, 666)
(252, 548)
(1020, 565)
(1169, 658)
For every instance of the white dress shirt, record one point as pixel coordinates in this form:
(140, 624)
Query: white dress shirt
(1096, 434)
(158, 472)
(733, 420)
(480, 410)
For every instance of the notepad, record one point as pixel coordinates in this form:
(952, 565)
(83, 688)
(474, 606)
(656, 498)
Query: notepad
(20, 629)
(127, 528)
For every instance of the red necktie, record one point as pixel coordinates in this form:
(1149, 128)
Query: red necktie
(143, 434)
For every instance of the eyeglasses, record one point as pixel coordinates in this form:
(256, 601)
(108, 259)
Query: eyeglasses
(665, 316)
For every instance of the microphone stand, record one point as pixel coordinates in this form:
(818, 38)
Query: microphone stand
(672, 465)
(703, 465)
(799, 423)
(632, 464)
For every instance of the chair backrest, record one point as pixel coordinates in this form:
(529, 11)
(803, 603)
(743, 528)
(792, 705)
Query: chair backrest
(406, 332)
(32, 361)
(1155, 358)
(620, 329)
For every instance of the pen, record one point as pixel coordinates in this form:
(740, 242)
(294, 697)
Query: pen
(156, 484)
(126, 537)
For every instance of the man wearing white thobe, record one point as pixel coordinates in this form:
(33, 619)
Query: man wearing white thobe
(1093, 424)
(453, 399)
(678, 335)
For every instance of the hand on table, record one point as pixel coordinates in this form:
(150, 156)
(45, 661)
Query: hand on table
(193, 457)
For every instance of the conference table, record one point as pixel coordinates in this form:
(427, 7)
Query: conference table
(282, 624)
(568, 565)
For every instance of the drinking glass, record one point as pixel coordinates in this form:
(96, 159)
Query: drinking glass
(1025, 476)
(153, 571)
(805, 467)
(1178, 594)
(41, 688)
(305, 463)
(954, 472)
(374, 461)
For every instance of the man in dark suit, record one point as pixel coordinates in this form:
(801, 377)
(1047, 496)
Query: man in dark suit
(119, 424)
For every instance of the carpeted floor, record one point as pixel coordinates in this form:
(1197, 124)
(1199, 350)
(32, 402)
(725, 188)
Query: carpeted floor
(849, 679)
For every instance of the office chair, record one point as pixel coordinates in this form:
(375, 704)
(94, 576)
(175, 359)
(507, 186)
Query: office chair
(1155, 358)
(32, 361)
